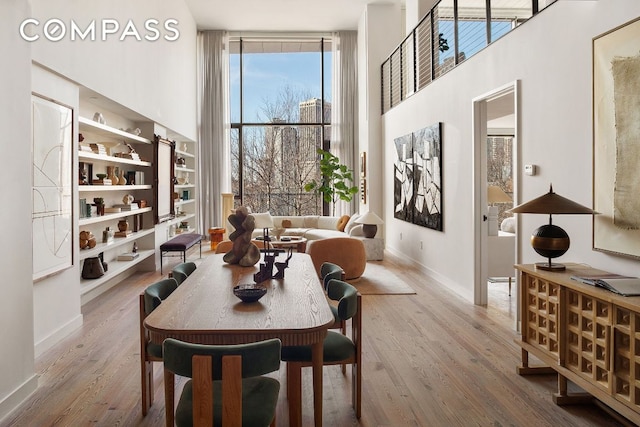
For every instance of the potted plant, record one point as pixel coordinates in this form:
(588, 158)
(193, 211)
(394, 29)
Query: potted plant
(336, 180)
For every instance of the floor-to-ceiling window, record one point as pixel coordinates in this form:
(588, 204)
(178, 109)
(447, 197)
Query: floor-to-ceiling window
(280, 115)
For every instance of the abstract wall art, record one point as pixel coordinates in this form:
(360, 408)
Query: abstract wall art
(616, 150)
(418, 177)
(52, 196)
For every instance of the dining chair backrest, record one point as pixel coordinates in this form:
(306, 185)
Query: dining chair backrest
(328, 271)
(230, 365)
(181, 271)
(155, 293)
(347, 297)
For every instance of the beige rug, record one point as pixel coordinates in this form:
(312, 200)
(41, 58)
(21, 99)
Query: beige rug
(377, 280)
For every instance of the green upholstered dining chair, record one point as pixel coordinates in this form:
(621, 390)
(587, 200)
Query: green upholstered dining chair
(181, 271)
(227, 385)
(328, 271)
(149, 352)
(338, 349)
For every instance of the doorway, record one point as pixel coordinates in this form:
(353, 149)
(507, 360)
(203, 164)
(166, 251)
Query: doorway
(495, 114)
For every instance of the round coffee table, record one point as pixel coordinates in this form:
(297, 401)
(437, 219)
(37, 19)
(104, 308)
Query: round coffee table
(299, 243)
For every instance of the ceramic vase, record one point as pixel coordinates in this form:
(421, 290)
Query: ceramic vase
(122, 180)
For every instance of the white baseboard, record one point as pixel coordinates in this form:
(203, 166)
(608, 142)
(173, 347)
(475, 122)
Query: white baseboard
(45, 344)
(16, 397)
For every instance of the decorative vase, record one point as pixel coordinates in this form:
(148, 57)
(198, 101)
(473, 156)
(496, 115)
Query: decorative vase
(111, 174)
(122, 180)
(100, 209)
(123, 225)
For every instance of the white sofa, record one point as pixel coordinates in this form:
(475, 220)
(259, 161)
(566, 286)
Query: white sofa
(312, 227)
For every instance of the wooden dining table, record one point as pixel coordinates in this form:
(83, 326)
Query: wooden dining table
(204, 310)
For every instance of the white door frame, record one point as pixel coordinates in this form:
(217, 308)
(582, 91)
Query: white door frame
(479, 176)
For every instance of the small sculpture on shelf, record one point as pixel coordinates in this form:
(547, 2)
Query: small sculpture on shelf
(243, 252)
(99, 203)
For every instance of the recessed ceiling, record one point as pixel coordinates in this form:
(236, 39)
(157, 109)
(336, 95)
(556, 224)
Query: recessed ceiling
(280, 15)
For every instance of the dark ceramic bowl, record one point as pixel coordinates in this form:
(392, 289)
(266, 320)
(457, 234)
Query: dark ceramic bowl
(249, 292)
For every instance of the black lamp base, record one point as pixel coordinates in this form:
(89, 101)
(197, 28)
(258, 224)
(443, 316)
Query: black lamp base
(549, 266)
(369, 230)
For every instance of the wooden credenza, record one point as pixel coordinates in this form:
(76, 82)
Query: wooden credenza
(587, 335)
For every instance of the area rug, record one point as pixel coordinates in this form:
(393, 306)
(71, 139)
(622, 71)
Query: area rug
(377, 280)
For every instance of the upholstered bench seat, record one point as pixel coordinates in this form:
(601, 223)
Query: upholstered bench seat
(180, 243)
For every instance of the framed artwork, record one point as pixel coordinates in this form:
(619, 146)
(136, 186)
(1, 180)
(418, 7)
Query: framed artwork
(51, 177)
(165, 195)
(363, 164)
(616, 140)
(427, 177)
(403, 178)
(417, 178)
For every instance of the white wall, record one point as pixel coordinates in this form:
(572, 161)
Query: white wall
(153, 78)
(17, 372)
(379, 31)
(551, 56)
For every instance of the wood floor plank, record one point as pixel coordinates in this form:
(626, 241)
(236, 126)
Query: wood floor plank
(429, 359)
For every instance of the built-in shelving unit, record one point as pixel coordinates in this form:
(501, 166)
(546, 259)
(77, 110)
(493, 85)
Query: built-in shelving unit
(116, 149)
(186, 202)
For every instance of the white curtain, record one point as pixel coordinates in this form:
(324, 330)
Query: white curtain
(213, 126)
(344, 108)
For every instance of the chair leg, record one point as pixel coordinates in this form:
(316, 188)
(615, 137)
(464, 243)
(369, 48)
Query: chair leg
(169, 392)
(146, 368)
(294, 392)
(356, 389)
(273, 422)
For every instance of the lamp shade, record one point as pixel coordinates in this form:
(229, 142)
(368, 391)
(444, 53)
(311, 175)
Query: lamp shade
(495, 194)
(552, 203)
(369, 218)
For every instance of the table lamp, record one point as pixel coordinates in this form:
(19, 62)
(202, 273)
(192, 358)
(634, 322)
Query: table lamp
(370, 222)
(549, 240)
(495, 195)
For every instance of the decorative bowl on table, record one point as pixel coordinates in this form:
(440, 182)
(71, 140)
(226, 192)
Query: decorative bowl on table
(249, 292)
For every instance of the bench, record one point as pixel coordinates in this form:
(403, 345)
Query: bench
(180, 243)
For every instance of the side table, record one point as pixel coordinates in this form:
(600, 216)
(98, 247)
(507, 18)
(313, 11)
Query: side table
(373, 247)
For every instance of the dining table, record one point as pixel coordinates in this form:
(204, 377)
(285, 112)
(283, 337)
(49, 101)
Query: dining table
(204, 310)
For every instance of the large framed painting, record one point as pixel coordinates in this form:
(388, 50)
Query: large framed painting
(403, 178)
(417, 178)
(51, 177)
(427, 164)
(616, 140)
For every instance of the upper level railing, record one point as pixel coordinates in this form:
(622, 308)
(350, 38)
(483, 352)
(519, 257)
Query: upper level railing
(451, 32)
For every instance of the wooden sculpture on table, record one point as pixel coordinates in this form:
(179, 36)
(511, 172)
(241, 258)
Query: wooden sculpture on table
(243, 251)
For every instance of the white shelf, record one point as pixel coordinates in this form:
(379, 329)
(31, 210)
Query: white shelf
(110, 216)
(111, 159)
(117, 242)
(115, 268)
(183, 169)
(184, 202)
(181, 218)
(185, 154)
(108, 131)
(93, 188)
(180, 186)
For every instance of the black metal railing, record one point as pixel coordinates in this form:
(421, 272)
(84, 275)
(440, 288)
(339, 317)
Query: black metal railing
(451, 32)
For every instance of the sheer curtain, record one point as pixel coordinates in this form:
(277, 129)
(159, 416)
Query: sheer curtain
(213, 126)
(344, 108)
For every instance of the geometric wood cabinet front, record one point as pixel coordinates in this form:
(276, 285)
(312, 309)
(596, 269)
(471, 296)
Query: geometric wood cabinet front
(542, 308)
(588, 332)
(585, 334)
(626, 360)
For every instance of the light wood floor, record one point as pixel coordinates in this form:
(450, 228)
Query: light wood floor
(431, 359)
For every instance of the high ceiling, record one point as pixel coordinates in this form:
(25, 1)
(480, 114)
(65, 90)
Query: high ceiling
(279, 15)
